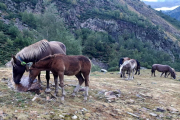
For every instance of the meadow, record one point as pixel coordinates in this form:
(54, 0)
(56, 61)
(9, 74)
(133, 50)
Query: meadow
(145, 97)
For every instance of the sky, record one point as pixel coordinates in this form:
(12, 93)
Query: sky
(150, 0)
(162, 8)
(166, 8)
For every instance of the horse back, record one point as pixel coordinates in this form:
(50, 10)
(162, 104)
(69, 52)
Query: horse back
(57, 47)
(161, 68)
(71, 65)
(133, 63)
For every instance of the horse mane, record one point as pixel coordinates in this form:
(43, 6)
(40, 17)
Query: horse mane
(32, 50)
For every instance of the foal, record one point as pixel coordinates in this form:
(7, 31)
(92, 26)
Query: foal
(61, 65)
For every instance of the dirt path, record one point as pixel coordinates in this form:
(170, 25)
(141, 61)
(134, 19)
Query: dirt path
(145, 97)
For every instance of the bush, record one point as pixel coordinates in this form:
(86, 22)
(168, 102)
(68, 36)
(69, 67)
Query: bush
(95, 68)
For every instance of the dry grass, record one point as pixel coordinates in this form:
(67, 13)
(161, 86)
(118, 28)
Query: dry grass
(146, 93)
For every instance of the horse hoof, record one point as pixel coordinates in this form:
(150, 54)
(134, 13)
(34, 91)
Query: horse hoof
(73, 95)
(62, 99)
(85, 99)
(48, 90)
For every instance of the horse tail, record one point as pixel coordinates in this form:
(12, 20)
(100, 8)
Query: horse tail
(152, 70)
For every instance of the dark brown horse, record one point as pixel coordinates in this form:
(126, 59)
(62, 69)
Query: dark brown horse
(34, 53)
(61, 65)
(162, 68)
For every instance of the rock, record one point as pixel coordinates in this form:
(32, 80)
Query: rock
(153, 114)
(130, 101)
(35, 97)
(172, 110)
(84, 110)
(74, 117)
(160, 110)
(111, 98)
(61, 116)
(103, 70)
(133, 114)
(161, 115)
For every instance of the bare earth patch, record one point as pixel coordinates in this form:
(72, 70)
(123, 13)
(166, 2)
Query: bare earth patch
(145, 97)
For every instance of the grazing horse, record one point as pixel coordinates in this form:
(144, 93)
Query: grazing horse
(168, 73)
(61, 65)
(122, 60)
(34, 53)
(162, 68)
(130, 66)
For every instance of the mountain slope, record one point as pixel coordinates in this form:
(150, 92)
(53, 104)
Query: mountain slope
(106, 29)
(174, 13)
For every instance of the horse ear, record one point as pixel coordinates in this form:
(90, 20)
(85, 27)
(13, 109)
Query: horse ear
(28, 65)
(14, 58)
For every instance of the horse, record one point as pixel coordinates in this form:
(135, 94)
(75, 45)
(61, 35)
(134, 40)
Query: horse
(130, 66)
(168, 73)
(122, 60)
(61, 65)
(138, 67)
(162, 68)
(33, 53)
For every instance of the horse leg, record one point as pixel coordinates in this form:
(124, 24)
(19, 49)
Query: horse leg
(61, 79)
(56, 83)
(129, 73)
(86, 76)
(132, 74)
(39, 78)
(47, 79)
(165, 74)
(81, 80)
(162, 74)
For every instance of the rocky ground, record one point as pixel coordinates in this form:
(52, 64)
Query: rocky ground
(110, 97)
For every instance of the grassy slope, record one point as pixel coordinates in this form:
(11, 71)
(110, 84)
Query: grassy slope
(154, 91)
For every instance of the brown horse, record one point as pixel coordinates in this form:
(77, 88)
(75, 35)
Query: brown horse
(61, 65)
(162, 68)
(130, 66)
(168, 73)
(34, 53)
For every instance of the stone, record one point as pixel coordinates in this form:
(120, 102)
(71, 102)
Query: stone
(153, 114)
(130, 101)
(160, 110)
(103, 70)
(74, 117)
(172, 110)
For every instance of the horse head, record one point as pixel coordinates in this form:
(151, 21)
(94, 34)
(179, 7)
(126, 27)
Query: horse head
(18, 69)
(173, 75)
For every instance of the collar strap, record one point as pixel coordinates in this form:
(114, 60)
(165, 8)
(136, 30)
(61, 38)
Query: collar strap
(22, 62)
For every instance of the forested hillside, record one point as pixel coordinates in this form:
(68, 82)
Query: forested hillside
(102, 29)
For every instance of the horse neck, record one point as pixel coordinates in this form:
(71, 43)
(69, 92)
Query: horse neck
(44, 64)
(170, 70)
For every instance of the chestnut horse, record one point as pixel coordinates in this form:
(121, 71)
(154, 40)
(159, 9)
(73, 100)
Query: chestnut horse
(162, 68)
(130, 66)
(61, 65)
